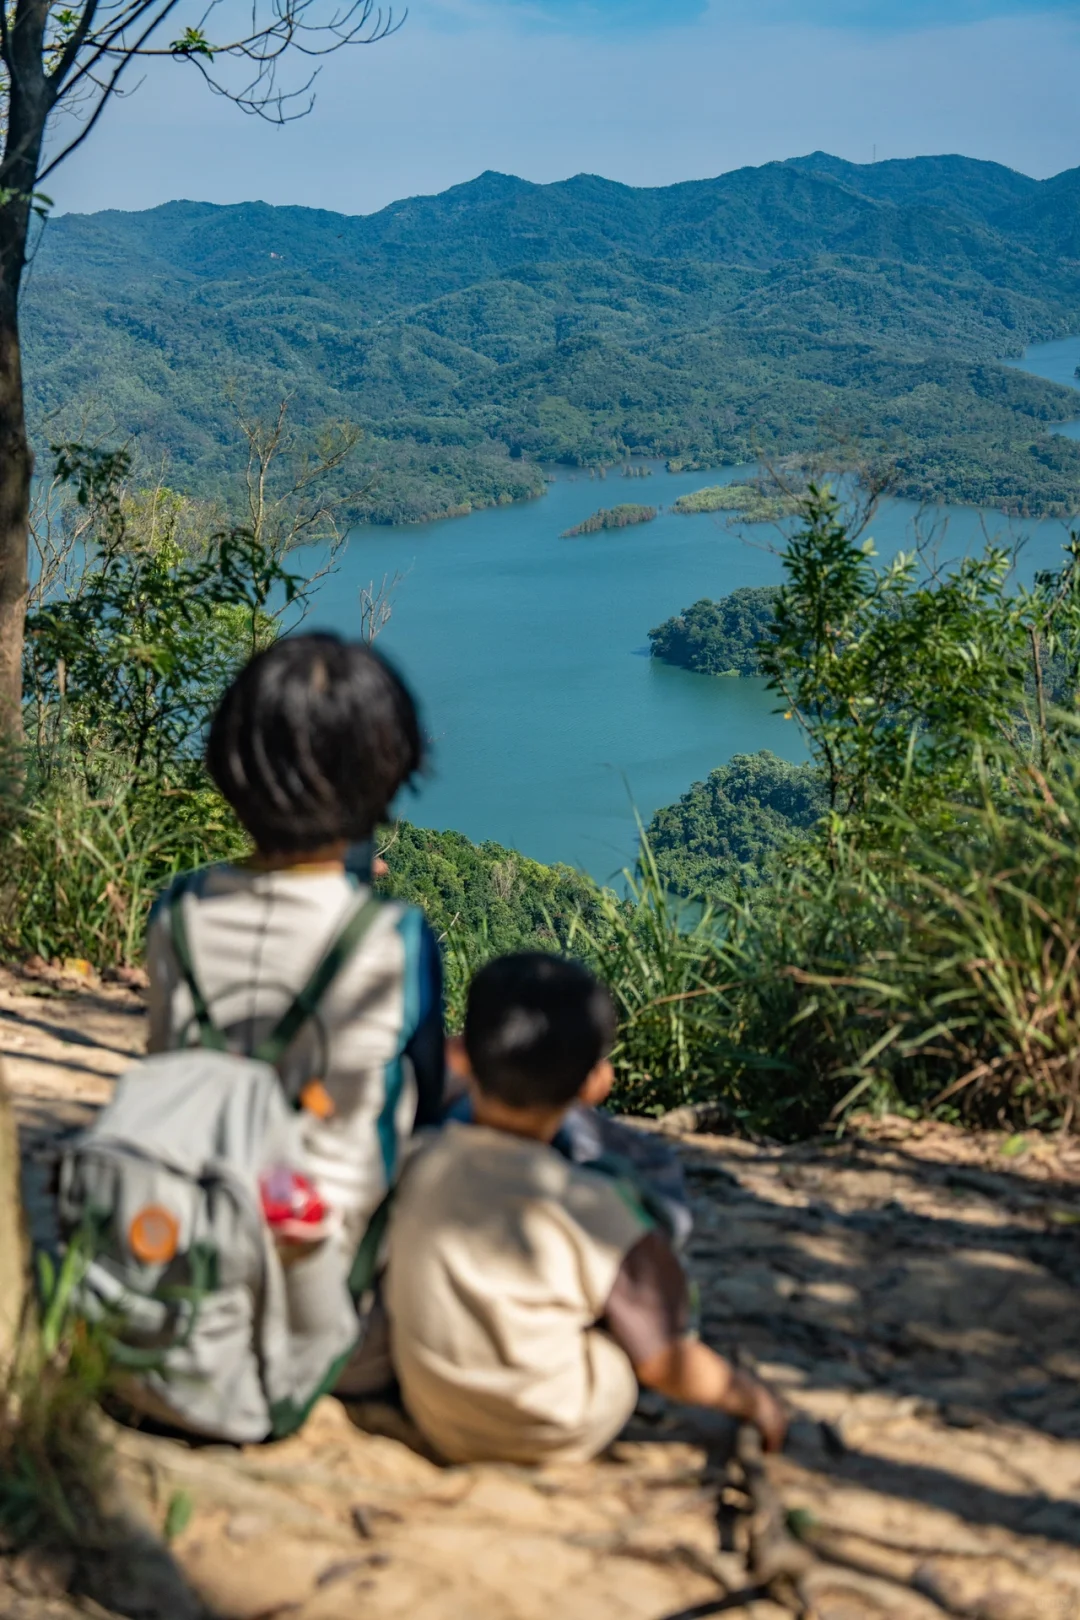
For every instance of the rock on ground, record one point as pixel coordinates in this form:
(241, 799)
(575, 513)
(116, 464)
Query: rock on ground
(914, 1291)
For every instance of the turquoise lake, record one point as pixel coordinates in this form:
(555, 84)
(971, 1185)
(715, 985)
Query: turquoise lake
(550, 726)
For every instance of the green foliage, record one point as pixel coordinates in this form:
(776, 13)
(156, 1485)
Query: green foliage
(928, 972)
(918, 946)
(984, 991)
(612, 517)
(52, 1458)
(725, 833)
(145, 606)
(896, 674)
(797, 1036)
(753, 505)
(668, 971)
(718, 638)
(482, 899)
(178, 1514)
(499, 324)
(132, 659)
(914, 943)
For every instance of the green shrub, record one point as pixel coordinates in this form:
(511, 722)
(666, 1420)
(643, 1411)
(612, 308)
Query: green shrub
(667, 968)
(984, 994)
(916, 948)
(483, 900)
(52, 1457)
(932, 974)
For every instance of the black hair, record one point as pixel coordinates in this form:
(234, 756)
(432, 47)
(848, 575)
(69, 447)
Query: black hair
(535, 1027)
(311, 742)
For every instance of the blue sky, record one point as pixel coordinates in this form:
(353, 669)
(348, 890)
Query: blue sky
(645, 91)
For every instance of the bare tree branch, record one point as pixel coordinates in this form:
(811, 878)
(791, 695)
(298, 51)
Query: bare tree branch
(107, 38)
(377, 606)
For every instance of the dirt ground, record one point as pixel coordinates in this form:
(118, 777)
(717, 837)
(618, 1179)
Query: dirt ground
(915, 1293)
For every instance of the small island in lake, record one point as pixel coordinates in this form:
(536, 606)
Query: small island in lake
(718, 638)
(612, 517)
(750, 502)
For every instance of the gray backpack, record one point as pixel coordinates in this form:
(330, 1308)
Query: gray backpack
(208, 1329)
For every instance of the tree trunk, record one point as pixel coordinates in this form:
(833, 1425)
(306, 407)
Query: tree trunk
(16, 465)
(14, 1250)
(30, 98)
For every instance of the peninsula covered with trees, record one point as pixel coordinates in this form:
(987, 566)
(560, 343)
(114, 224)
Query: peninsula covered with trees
(724, 833)
(477, 335)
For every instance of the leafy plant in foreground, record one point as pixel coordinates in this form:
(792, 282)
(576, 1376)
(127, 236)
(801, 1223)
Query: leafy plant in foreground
(52, 1457)
(131, 659)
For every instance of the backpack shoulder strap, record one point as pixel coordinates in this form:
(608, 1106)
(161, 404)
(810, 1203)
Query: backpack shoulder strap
(306, 1002)
(209, 1035)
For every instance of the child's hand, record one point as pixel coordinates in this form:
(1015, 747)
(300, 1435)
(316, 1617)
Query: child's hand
(689, 1371)
(767, 1415)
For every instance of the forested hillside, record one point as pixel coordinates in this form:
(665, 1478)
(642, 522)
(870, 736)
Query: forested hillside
(501, 325)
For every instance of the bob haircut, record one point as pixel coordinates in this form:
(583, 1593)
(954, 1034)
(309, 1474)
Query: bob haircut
(311, 742)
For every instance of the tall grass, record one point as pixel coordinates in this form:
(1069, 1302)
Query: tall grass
(667, 965)
(937, 974)
(987, 979)
(81, 867)
(52, 1458)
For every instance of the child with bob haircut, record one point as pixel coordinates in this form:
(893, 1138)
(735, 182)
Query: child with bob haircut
(529, 1296)
(309, 746)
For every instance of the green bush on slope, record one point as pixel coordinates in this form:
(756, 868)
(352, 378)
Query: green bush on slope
(726, 832)
(482, 899)
(918, 948)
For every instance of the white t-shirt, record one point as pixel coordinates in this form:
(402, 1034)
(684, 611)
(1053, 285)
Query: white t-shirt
(255, 938)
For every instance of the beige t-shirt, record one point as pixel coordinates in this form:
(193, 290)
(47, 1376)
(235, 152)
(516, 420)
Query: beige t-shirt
(502, 1260)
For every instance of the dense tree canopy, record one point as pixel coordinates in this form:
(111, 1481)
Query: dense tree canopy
(502, 324)
(725, 831)
(718, 638)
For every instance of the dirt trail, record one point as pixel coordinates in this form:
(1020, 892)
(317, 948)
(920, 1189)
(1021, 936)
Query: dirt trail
(914, 1291)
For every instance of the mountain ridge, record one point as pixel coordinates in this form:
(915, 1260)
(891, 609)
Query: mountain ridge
(503, 323)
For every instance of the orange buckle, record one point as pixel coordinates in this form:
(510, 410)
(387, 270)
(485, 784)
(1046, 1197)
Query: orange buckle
(154, 1235)
(317, 1100)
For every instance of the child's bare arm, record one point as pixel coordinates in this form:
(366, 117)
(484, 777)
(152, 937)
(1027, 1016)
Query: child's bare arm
(689, 1371)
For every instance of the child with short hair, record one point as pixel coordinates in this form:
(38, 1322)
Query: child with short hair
(528, 1296)
(309, 746)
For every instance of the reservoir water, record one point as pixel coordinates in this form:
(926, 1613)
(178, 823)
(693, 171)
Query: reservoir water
(551, 727)
(1057, 362)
